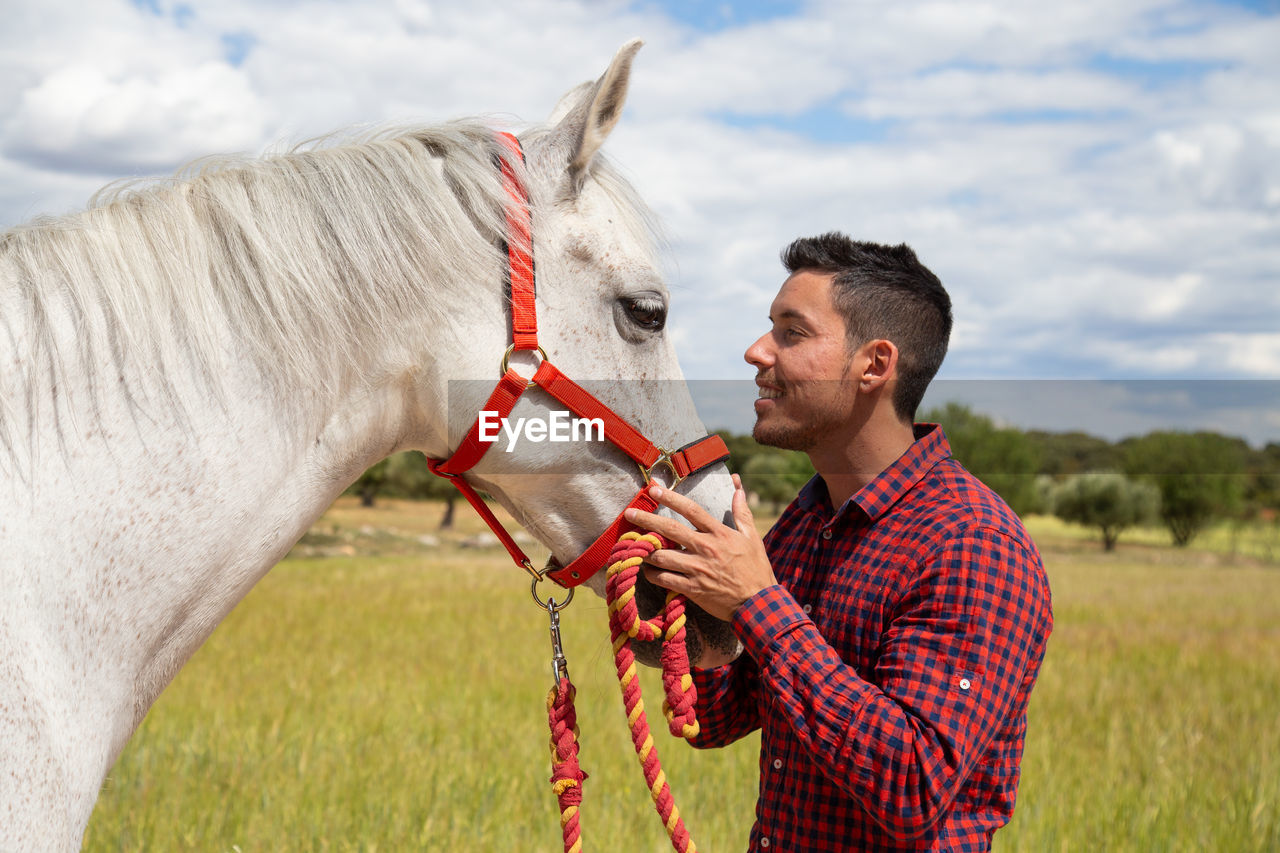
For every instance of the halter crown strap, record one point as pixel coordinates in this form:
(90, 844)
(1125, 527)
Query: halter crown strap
(524, 318)
(692, 457)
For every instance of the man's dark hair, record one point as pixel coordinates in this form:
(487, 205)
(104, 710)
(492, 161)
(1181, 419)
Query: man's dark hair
(884, 292)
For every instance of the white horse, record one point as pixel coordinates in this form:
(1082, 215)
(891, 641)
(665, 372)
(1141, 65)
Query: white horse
(191, 372)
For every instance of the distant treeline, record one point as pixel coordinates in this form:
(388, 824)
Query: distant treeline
(1184, 480)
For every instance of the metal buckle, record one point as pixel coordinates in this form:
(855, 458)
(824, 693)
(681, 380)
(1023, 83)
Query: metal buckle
(664, 458)
(506, 362)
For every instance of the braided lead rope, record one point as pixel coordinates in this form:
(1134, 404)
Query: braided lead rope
(624, 624)
(566, 774)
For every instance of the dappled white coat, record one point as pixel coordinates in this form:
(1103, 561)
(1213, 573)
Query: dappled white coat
(191, 373)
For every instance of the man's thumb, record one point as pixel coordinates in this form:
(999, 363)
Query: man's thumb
(741, 511)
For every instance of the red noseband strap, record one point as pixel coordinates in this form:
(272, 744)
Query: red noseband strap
(524, 336)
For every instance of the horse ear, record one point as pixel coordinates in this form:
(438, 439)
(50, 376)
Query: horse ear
(570, 100)
(586, 115)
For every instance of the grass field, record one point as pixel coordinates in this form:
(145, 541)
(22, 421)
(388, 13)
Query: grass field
(378, 693)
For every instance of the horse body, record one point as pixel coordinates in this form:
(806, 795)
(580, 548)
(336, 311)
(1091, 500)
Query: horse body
(189, 375)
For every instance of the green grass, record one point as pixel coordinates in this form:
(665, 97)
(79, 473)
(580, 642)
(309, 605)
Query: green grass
(391, 697)
(1153, 725)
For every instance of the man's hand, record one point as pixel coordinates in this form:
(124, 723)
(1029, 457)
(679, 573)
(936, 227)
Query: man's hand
(720, 567)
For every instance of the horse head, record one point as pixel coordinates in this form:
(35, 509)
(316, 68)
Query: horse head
(601, 315)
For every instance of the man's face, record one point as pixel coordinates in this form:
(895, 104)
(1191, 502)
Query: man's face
(804, 368)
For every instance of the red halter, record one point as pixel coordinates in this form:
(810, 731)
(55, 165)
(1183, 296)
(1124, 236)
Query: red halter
(692, 457)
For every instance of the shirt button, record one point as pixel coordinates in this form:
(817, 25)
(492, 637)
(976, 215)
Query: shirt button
(964, 684)
(826, 534)
(764, 842)
(808, 608)
(777, 764)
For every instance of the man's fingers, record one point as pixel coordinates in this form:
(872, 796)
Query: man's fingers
(669, 561)
(668, 528)
(669, 580)
(690, 509)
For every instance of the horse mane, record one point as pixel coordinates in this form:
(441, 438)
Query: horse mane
(304, 254)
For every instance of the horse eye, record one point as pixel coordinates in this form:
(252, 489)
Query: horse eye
(646, 312)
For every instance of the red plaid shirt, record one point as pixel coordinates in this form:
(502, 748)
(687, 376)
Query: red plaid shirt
(891, 667)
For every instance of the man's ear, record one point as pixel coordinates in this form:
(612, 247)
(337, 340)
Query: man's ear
(879, 360)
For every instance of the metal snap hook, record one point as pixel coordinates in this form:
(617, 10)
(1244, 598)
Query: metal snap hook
(559, 664)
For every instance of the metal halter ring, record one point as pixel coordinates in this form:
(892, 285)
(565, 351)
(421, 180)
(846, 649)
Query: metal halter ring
(550, 605)
(664, 458)
(506, 362)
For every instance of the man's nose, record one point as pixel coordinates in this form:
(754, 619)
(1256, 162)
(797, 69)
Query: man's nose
(759, 354)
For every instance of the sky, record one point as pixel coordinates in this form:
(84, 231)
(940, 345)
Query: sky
(1096, 182)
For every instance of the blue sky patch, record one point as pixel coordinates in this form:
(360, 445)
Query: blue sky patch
(236, 47)
(1153, 73)
(716, 15)
(182, 13)
(1266, 7)
(823, 123)
(1051, 115)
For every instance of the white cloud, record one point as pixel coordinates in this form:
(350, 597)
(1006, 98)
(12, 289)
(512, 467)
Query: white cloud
(80, 118)
(1097, 182)
(1256, 353)
(970, 94)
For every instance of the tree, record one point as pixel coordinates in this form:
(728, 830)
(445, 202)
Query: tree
(406, 475)
(741, 449)
(1200, 477)
(775, 475)
(1263, 490)
(409, 477)
(1107, 500)
(370, 483)
(1004, 459)
(1075, 452)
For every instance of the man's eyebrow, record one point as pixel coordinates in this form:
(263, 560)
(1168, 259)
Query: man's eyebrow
(788, 314)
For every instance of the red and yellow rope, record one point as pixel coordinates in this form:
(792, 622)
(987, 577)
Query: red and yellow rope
(625, 624)
(566, 774)
(669, 626)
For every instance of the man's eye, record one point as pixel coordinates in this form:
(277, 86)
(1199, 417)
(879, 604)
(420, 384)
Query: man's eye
(646, 312)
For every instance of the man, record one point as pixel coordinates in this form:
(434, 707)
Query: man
(895, 617)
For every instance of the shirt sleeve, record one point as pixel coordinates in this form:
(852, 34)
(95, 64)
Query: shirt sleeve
(727, 705)
(901, 739)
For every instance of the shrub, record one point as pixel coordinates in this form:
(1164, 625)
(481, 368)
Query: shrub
(1107, 500)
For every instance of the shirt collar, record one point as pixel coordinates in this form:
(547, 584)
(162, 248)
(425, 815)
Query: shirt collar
(874, 499)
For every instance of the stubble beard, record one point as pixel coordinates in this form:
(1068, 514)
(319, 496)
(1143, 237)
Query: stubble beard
(784, 437)
(805, 432)
(805, 435)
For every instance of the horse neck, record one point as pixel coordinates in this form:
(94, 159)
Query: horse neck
(157, 507)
